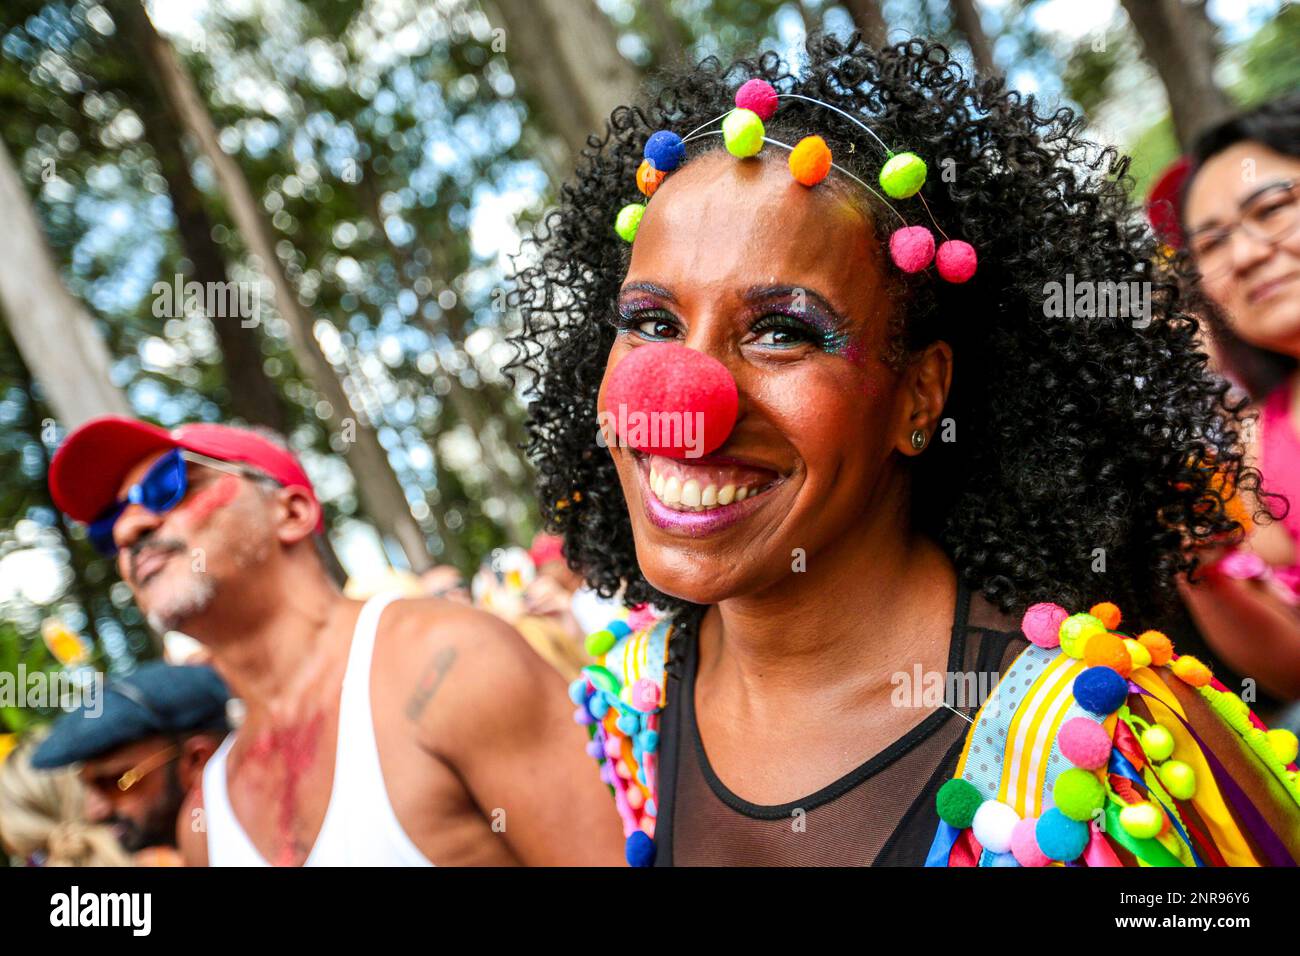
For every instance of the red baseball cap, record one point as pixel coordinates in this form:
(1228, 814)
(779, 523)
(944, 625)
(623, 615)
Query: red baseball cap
(90, 465)
(1164, 202)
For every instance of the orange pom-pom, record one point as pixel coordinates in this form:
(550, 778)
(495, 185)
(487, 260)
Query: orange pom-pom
(1108, 650)
(1157, 646)
(810, 160)
(1191, 671)
(1107, 613)
(648, 178)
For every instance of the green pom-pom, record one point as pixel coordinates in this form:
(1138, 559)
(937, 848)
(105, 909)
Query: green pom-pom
(1078, 794)
(957, 802)
(602, 678)
(742, 132)
(1075, 631)
(600, 642)
(629, 220)
(903, 175)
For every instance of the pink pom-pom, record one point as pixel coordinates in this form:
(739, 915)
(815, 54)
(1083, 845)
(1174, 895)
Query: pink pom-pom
(1042, 624)
(956, 260)
(645, 695)
(911, 248)
(759, 96)
(1024, 846)
(1084, 743)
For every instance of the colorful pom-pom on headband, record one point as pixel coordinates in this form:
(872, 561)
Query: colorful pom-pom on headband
(911, 247)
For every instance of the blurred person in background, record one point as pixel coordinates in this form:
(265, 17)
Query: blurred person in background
(445, 581)
(508, 585)
(42, 821)
(385, 732)
(1240, 217)
(142, 753)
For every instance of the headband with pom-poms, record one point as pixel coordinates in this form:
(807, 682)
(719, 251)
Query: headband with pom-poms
(912, 248)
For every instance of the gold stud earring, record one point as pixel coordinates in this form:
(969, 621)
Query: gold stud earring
(918, 439)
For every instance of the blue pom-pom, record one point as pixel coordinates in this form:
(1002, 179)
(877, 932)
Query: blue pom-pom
(1100, 690)
(1059, 837)
(618, 629)
(629, 724)
(578, 690)
(649, 740)
(1002, 859)
(599, 706)
(665, 150)
(639, 850)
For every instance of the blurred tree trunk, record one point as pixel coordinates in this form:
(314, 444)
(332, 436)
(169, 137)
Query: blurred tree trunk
(672, 43)
(253, 396)
(966, 17)
(868, 18)
(55, 335)
(564, 54)
(381, 494)
(1179, 40)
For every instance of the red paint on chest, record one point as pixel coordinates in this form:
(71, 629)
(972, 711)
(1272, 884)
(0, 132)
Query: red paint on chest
(293, 749)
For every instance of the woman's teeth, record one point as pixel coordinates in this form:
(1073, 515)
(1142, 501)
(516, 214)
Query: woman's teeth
(690, 496)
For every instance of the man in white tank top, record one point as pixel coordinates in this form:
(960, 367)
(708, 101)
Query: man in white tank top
(389, 733)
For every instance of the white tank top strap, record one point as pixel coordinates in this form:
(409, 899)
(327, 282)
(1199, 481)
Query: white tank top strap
(228, 844)
(360, 827)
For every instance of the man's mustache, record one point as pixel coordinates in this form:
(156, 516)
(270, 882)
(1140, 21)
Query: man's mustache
(148, 546)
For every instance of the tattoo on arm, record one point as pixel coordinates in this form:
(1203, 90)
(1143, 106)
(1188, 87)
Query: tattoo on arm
(430, 681)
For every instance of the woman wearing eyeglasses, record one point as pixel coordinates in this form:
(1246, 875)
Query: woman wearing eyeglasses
(1241, 218)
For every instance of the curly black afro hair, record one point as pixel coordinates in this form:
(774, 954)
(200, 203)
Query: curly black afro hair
(1081, 443)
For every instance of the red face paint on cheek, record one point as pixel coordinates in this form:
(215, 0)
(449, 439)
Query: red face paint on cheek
(200, 507)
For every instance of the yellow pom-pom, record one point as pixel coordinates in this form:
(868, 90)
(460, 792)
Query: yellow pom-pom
(1178, 778)
(1158, 646)
(1191, 671)
(1075, 631)
(1284, 744)
(742, 133)
(1107, 613)
(810, 160)
(1141, 820)
(1138, 654)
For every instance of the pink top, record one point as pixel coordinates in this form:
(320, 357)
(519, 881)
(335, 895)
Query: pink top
(1280, 465)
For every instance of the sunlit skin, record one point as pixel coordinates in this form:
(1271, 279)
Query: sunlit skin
(832, 430)
(146, 814)
(1250, 628)
(279, 632)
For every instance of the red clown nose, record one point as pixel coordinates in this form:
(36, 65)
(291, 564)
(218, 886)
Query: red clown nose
(669, 400)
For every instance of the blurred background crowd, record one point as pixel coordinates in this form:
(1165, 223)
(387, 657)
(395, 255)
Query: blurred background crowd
(379, 161)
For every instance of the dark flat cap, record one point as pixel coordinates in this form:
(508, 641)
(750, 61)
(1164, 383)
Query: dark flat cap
(154, 699)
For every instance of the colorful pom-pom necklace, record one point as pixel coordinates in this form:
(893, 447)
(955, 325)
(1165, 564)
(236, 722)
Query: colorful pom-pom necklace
(911, 247)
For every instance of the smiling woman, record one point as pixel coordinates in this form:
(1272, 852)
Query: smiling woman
(911, 459)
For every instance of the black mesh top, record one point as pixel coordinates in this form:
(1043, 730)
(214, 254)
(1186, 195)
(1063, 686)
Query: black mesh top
(879, 814)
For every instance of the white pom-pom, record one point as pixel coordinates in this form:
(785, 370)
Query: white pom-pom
(993, 823)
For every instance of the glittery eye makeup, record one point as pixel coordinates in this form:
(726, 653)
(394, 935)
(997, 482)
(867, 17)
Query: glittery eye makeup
(780, 318)
(802, 326)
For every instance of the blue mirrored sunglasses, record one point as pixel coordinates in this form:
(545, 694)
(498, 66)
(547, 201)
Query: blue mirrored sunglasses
(161, 489)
